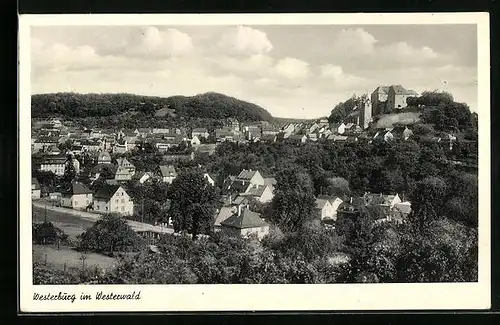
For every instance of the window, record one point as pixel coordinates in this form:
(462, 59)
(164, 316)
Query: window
(106, 208)
(116, 201)
(122, 195)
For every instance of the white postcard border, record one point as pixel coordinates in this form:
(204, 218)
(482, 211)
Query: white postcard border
(260, 297)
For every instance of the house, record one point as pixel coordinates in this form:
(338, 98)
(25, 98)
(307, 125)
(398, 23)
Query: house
(90, 145)
(325, 209)
(104, 158)
(142, 177)
(224, 213)
(53, 163)
(245, 223)
(312, 128)
(298, 138)
(225, 134)
(401, 210)
(288, 130)
(334, 201)
(262, 193)
(195, 141)
(323, 122)
(379, 99)
(200, 133)
(250, 176)
(35, 188)
(168, 173)
(312, 137)
(42, 143)
(120, 147)
(113, 199)
(76, 196)
(142, 132)
(269, 130)
(397, 96)
(123, 174)
(206, 148)
(401, 132)
(123, 162)
(233, 124)
(53, 150)
(380, 199)
(160, 131)
(210, 179)
(268, 138)
(108, 169)
(341, 128)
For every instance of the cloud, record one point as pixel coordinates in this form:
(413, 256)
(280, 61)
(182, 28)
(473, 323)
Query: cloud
(331, 71)
(151, 42)
(354, 42)
(245, 40)
(292, 68)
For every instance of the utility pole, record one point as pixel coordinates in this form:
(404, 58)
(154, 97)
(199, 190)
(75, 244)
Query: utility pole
(142, 210)
(45, 219)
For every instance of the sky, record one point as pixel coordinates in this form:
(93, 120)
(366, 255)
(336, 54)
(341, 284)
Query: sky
(295, 71)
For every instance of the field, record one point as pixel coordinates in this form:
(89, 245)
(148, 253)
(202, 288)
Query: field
(70, 224)
(67, 256)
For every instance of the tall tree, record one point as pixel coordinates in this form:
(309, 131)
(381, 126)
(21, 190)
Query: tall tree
(293, 202)
(193, 203)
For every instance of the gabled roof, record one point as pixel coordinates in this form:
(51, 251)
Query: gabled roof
(200, 130)
(123, 162)
(400, 90)
(320, 203)
(246, 174)
(402, 207)
(330, 198)
(270, 181)
(256, 191)
(104, 155)
(240, 200)
(122, 170)
(106, 191)
(167, 171)
(224, 213)
(238, 186)
(76, 188)
(382, 89)
(247, 219)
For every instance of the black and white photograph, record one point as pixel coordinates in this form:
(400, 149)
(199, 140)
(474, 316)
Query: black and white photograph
(252, 152)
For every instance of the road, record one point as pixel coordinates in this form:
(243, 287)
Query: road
(92, 217)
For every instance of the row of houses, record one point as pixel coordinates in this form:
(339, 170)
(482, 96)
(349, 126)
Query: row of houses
(110, 198)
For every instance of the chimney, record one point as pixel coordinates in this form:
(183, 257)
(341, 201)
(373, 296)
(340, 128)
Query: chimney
(230, 199)
(239, 210)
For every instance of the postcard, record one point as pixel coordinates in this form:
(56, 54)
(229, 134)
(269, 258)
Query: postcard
(254, 162)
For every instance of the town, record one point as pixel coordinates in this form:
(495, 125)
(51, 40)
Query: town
(92, 172)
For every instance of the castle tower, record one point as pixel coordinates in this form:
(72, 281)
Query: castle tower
(365, 113)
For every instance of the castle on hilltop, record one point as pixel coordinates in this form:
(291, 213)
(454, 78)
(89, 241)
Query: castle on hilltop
(388, 99)
(383, 100)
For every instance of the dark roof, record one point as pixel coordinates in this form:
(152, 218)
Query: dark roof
(247, 219)
(106, 191)
(200, 130)
(246, 174)
(76, 188)
(35, 182)
(400, 90)
(381, 89)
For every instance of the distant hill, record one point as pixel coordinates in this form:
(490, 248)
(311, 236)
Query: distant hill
(208, 105)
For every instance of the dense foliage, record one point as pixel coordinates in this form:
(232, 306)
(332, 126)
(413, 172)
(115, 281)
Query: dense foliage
(46, 233)
(110, 234)
(208, 105)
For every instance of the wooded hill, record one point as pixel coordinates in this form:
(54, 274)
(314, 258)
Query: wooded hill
(208, 105)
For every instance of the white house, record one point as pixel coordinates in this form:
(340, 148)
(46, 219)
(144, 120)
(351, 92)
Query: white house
(334, 201)
(168, 173)
(77, 196)
(209, 178)
(262, 193)
(113, 199)
(325, 209)
(245, 223)
(195, 141)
